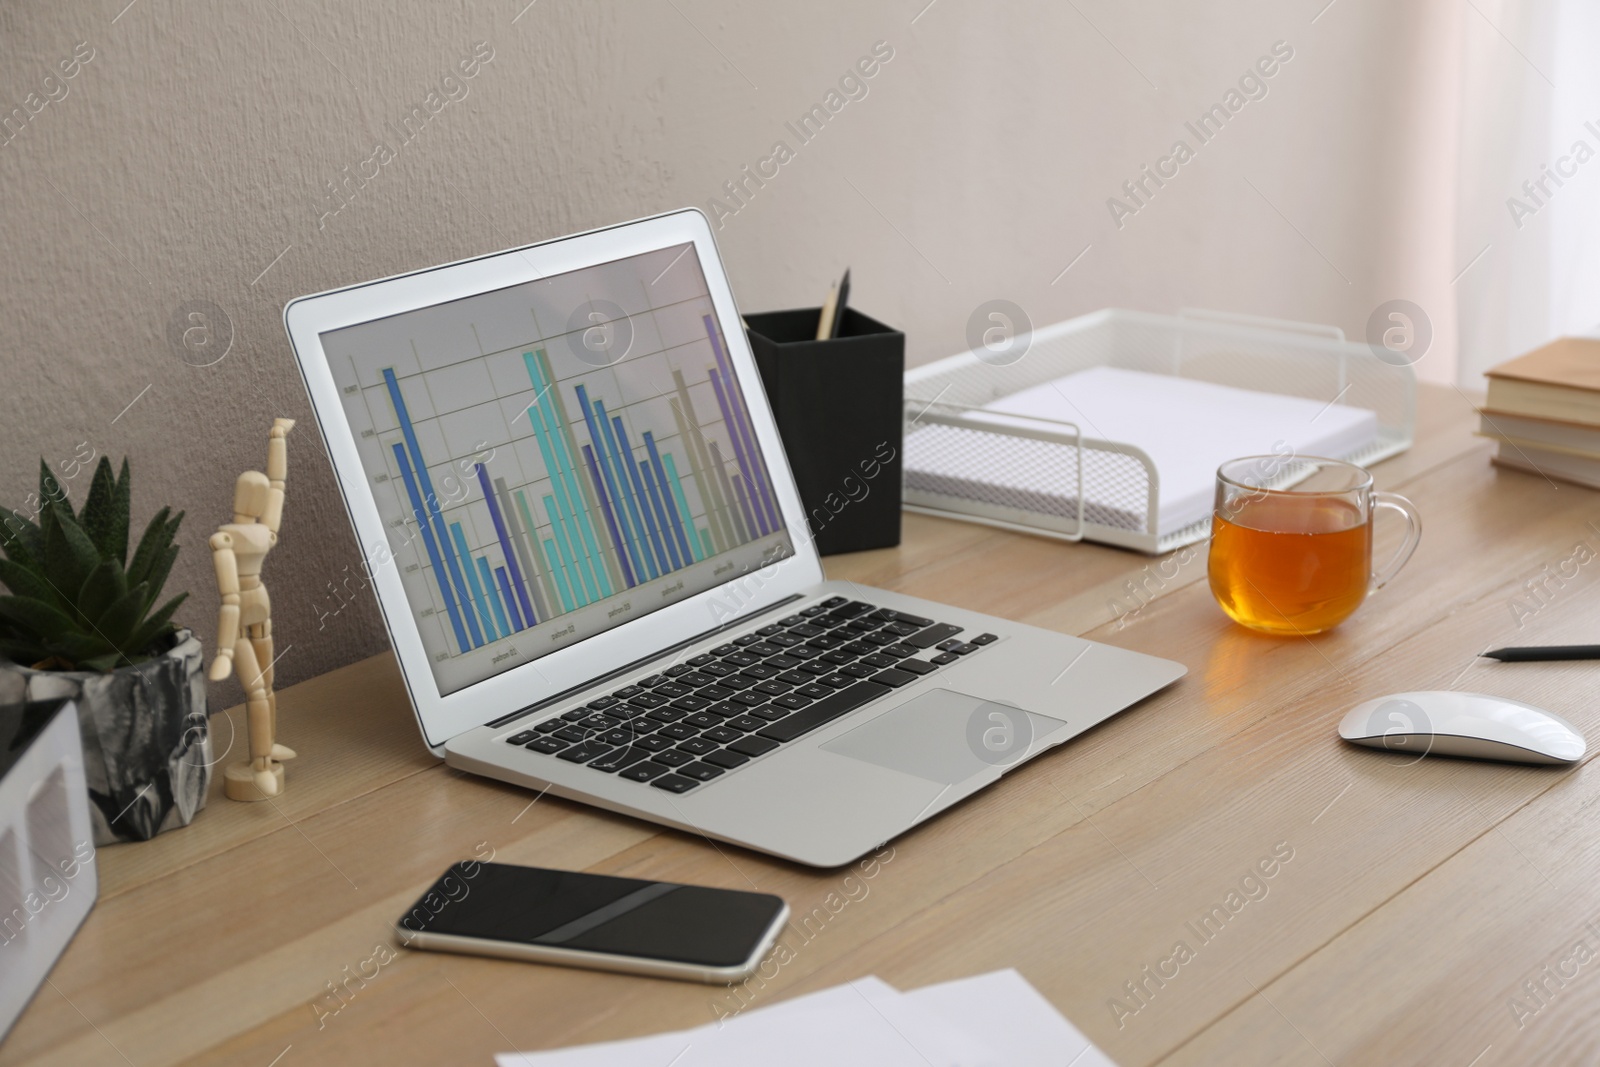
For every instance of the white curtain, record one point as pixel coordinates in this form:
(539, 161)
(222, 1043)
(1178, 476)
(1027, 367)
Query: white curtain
(1530, 110)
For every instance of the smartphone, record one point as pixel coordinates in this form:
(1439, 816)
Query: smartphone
(593, 920)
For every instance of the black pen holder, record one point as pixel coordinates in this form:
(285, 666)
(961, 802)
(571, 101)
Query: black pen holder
(838, 407)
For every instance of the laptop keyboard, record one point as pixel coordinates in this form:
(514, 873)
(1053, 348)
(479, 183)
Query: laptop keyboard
(714, 713)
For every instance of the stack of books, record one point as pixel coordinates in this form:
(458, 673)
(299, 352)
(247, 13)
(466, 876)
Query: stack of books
(1544, 409)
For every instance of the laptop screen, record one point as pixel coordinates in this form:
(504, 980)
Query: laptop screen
(556, 458)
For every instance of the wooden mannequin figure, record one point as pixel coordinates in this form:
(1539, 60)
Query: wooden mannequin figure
(244, 625)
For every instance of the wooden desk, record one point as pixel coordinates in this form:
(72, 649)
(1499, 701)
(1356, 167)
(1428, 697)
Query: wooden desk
(1419, 895)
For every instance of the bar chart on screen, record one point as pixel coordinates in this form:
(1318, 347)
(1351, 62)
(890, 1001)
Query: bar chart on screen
(540, 491)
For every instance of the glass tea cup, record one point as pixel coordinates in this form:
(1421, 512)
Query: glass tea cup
(1291, 541)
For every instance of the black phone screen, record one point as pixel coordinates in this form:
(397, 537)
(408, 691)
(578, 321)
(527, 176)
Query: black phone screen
(595, 913)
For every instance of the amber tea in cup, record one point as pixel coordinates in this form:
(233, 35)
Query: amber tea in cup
(1291, 541)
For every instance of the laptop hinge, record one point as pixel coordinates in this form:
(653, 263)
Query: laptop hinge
(626, 668)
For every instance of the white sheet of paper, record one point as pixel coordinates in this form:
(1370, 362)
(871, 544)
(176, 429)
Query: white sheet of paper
(865, 1022)
(1188, 428)
(1004, 1011)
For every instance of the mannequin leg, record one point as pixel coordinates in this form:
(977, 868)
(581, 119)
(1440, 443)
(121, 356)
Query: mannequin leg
(261, 638)
(259, 713)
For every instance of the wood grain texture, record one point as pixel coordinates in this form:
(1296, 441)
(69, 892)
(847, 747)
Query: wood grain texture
(1407, 903)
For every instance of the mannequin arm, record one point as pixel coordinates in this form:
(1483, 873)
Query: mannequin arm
(277, 471)
(228, 617)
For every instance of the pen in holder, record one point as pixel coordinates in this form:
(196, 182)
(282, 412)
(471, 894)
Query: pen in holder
(837, 403)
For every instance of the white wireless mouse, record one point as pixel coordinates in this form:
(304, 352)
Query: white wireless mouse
(1474, 725)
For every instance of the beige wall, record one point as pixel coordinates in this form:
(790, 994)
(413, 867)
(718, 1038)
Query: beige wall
(189, 161)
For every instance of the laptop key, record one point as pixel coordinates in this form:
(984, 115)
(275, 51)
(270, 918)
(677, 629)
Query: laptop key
(817, 668)
(852, 609)
(718, 670)
(725, 758)
(578, 713)
(801, 652)
(945, 658)
(673, 758)
(549, 726)
(824, 711)
(790, 620)
(759, 672)
(643, 772)
(597, 721)
(963, 649)
(813, 690)
(913, 620)
(764, 648)
(615, 761)
(784, 663)
(859, 648)
(726, 709)
(583, 753)
(666, 714)
(651, 682)
(741, 659)
(697, 746)
(747, 639)
(878, 640)
(932, 635)
(769, 713)
(677, 731)
(901, 629)
(602, 703)
(856, 670)
(522, 738)
(747, 723)
(678, 670)
(673, 783)
(700, 772)
(915, 666)
(717, 692)
(894, 677)
(899, 651)
(749, 700)
(806, 629)
(813, 611)
(723, 650)
(691, 703)
(794, 678)
(793, 702)
(879, 660)
(736, 681)
(769, 630)
(548, 745)
(627, 691)
(752, 746)
(672, 689)
(836, 681)
(833, 602)
(571, 734)
(656, 743)
(703, 720)
(701, 660)
(722, 735)
(647, 700)
(620, 736)
(695, 679)
(773, 688)
(840, 658)
(785, 640)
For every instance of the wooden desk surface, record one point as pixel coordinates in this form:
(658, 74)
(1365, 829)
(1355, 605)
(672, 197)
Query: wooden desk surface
(1418, 898)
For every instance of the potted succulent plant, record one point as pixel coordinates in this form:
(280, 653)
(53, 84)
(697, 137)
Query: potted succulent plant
(82, 622)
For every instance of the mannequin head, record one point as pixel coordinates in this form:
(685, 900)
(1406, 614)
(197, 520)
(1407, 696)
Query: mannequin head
(250, 497)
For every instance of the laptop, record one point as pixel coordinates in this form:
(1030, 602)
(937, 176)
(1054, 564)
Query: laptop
(590, 555)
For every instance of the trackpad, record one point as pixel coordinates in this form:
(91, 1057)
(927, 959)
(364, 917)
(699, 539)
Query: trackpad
(946, 737)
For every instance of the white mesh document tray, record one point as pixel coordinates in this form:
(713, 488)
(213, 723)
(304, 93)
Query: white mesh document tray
(1058, 479)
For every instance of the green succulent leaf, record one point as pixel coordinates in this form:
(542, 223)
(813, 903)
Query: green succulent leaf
(158, 573)
(105, 586)
(105, 511)
(25, 582)
(50, 491)
(118, 622)
(21, 539)
(152, 542)
(157, 625)
(69, 555)
(36, 616)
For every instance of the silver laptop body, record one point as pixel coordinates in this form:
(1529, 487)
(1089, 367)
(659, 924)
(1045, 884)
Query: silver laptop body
(575, 510)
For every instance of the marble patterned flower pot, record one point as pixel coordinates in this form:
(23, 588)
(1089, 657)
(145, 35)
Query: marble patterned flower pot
(146, 746)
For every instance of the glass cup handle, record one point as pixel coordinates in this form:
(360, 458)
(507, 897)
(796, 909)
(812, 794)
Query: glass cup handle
(1413, 535)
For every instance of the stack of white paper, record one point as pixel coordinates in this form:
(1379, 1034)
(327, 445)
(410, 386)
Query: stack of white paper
(1188, 428)
(994, 1020)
